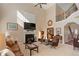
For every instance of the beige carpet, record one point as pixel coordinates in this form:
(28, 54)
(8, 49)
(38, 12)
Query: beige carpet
(61, 50)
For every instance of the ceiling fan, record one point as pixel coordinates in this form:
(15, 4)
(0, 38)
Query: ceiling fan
(40, 4)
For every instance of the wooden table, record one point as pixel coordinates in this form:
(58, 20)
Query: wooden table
(31, 47)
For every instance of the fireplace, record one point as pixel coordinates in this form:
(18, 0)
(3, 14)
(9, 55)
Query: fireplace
(29, 38)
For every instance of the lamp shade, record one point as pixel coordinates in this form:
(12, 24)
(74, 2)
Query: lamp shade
(7, 34)
(2, 42)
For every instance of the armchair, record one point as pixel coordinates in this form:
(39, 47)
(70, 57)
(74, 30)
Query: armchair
(55, 41)
(75, 43)
(14, 47)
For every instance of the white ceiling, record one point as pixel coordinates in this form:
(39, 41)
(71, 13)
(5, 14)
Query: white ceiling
(48, 5)
(65, 6)
(45, 6)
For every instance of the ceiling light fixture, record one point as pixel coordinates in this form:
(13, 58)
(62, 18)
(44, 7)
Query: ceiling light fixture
(40, 4)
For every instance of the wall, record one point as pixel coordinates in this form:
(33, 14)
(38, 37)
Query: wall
(21, 18)
(67, 34)
(9, 14)
(50, 15)
(72, 18)
(59, 10)
(40, 16)
(59, 13)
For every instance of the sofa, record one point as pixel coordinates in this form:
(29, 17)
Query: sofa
(6, 52)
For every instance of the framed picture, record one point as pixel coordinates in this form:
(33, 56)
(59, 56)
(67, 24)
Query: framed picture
(58, 30)
(12, 26)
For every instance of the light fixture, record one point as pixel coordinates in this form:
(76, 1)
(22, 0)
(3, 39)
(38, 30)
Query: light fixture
(7, 34)
(40, 4)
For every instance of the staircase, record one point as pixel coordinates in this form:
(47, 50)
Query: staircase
(67, 13)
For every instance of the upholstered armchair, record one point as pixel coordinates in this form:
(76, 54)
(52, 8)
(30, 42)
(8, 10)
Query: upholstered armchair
(55, 41)
(75, 43)
(14, 47)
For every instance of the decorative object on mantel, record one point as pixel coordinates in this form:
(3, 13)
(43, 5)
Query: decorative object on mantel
(50, 23)
(58, 30)
(12, 26)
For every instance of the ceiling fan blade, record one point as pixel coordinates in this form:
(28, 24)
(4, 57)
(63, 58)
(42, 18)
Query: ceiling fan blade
(36, 5)
(44, 3)
(40, 6)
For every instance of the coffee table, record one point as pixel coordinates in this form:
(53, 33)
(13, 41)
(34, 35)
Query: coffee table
(31, 47)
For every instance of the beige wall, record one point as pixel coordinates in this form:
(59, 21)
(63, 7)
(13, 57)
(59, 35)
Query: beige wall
(59, 13)
(9, 14)
(61, 24)
(50, 15)
(59, 10)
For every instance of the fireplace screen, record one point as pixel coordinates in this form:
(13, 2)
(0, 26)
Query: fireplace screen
(29, 38)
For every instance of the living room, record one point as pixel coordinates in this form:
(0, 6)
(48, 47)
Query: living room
(43, 16)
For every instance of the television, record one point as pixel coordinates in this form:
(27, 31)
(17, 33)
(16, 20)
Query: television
(29, 26)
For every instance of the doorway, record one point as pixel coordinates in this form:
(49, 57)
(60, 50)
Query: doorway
(67, 35)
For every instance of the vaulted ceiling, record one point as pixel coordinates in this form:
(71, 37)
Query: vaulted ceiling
(64, 6)
(48, 5)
